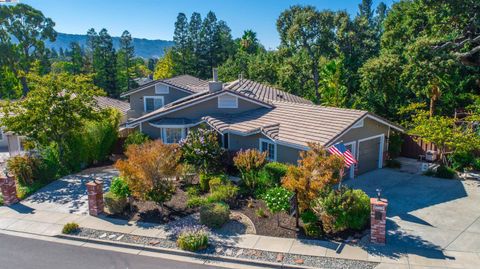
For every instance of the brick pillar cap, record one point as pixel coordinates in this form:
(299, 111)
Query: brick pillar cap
(94, 182)
(381, 202)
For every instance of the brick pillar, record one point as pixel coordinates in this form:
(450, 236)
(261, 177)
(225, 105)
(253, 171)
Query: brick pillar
(378, 220)
(95, 197)
(9, 189)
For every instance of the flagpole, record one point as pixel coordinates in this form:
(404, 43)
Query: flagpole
(342, 174)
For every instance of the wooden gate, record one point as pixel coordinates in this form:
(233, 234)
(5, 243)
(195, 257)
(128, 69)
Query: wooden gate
(413, 147)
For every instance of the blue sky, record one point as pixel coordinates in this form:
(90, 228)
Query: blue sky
(154, 19)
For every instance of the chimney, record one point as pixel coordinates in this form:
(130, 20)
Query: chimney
(215, 85)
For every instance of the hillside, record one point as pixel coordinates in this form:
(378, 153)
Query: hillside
(143, 47)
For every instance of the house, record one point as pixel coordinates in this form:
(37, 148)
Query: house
(247, 114)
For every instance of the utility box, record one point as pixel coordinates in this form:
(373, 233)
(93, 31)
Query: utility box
(431, 156)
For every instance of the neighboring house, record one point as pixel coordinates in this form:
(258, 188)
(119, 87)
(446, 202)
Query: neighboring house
(248, 114)
(107, 102)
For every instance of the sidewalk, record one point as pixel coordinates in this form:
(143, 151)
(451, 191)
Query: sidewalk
(20, 218)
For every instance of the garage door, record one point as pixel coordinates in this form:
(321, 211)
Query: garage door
(368, 155)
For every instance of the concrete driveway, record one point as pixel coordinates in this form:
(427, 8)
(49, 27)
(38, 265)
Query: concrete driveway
(67, 194)
(426, 212)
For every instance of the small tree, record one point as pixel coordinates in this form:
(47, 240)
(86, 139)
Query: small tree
(316, 170)
(250, 162)
(149, 170)
(202, 150)
(277, 200)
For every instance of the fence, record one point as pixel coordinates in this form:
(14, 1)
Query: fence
(413, 147)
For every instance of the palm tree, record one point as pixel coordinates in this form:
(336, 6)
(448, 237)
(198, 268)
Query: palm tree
(249, 41)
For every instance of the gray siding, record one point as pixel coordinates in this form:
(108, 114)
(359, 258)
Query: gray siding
(287, 154)
(136, 99)
(370, 128)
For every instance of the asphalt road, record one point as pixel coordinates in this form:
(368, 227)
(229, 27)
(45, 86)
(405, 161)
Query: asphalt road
(24, 253)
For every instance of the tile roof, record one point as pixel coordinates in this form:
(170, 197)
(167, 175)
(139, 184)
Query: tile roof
(106, 102)
(184, 82)
(291, 122)
(264, 92)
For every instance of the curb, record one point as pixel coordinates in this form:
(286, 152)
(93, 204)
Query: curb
(206, 257)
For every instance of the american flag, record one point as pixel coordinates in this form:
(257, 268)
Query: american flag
(340, 150)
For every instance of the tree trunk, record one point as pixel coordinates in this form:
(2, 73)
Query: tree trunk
(23, 81)
(432, 106)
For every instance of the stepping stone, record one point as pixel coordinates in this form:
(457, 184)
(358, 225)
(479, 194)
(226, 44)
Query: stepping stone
(229, 252)
(103, 236)
(240, 252)
(154, 242)
(120, 237)
(112, 236)
(280, 257)
(299, 261)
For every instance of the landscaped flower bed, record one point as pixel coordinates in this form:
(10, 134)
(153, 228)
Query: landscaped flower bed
(155, 175)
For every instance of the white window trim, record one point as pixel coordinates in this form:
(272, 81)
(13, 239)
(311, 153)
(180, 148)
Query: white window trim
(261, 140)
(222, 105)
(354, 153)
(153, 97)
(164, 134)
(160, 86)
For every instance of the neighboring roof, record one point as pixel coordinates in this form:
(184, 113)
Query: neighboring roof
(264, 92)
(107, 102)
(184, 82)
(291, 123)
(142, 81)
(192, 100)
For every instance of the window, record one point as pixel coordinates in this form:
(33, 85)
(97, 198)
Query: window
(359, 124)
(227, 101)
(1, 134)
(173, 135)
(270, 147)
(152, 103)
(161, 89)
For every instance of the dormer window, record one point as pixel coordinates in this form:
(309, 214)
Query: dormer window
(227, 101)
(152, 103)
(161, 89)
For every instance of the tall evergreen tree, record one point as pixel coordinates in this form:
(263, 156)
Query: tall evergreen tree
(126, 67)
(76, 56)
(207, 54)
(195, 42)
(92, 45)
(181, 52)
(105, 64)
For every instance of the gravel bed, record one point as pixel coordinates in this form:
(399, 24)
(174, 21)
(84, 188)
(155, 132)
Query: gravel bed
(327, 262)
(216, 249)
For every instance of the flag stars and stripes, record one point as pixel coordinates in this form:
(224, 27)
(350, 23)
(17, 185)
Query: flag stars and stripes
(342, 151)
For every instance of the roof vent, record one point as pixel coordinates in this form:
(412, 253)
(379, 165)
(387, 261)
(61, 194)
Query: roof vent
(215, 85)
(280, 96)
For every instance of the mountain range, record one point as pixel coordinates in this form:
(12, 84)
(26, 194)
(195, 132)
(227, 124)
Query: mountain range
(145, 48)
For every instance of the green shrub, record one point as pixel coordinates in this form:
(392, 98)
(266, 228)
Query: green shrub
(261, 213)
(119, 188)
(277, 199)
(114, 204)
(192, 191)
(343, 209)
(204, 180)
(445, 172)
(196, 201)
(392, 163)
(214, 215)
(461, 160)
(135, 138)
(1, 199)
(250, 162)
(476, 164)
(395, 142)
(223, 193)
(70, 228)
(276, 171)
(193, 239)
(215, 182)
(308, 217)
(24, 168)
(312, 230)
